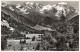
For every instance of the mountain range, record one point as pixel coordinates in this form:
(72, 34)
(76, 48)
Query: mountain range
(31, 14)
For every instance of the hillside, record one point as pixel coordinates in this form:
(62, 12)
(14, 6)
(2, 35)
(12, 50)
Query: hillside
(58, 24)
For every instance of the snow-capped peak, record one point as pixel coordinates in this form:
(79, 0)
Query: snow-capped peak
(18, 5)
(56, 9)
(47, 7)
(62, 3)
(11, 8)
(61, 7)
(29, 3)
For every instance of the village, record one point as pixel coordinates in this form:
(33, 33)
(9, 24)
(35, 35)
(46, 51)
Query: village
(29, 43)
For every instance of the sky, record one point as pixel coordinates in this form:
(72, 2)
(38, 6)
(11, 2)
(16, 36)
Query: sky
(74, 4)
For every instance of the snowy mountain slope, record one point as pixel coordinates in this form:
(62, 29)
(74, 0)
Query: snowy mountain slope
(57, 10)
(37, 12)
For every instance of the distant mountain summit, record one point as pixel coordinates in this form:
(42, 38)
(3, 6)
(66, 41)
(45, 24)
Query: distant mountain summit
(57, 9)
(49, 10)
(36, 13)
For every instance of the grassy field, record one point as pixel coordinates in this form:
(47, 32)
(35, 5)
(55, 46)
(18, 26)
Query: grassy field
(13, 44)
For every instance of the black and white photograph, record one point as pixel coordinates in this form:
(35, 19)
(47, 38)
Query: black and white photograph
(39, 25)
